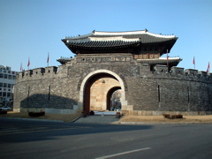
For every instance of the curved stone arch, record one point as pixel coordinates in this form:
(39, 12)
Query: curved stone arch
(83, 84)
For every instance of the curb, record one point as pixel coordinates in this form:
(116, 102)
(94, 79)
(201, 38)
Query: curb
(157, 123)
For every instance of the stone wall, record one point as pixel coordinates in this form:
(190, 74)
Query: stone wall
(146, 89)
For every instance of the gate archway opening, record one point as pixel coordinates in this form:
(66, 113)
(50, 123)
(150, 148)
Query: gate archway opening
(97, 89)
(111, 98)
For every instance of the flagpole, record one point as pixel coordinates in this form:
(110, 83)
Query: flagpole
(21, 67)
(167, 59)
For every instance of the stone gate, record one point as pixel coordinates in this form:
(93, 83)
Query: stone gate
(128, 64)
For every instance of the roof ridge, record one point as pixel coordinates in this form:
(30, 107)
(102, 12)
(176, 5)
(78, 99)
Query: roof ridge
(117, 32)
(132, 33)
(121, 33)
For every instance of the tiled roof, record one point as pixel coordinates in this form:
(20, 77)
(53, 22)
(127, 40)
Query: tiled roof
(102, 40)
(144, 36)
(102, 44)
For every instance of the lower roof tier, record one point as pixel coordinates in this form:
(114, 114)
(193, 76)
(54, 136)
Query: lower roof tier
(171, 61)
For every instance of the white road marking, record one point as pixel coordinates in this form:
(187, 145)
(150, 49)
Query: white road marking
(124, 153)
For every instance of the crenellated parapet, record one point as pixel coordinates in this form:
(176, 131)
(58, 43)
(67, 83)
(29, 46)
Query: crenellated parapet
(162, 71)
(37, 73)
(158, 71)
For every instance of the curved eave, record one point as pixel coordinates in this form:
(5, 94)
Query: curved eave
(63, 61)
(112, 43)
(169, 45)
(118, 42)
(143, 39)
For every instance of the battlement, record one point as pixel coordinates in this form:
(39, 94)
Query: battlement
(162, 71)
(37, 73)
(158, 71)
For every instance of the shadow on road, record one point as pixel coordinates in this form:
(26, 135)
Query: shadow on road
(17, 130)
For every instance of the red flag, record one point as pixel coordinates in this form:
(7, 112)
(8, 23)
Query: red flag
(194, 60)
(208, 69)
(28, 62)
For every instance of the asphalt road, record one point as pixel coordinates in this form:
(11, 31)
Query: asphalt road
(24, 139)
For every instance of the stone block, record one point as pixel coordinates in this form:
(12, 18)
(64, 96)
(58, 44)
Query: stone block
(52, 69)
(191, 72)
(161, 69)
(38, 71)
(177, 70)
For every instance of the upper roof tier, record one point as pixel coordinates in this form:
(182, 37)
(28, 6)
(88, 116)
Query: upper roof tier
(112, 42)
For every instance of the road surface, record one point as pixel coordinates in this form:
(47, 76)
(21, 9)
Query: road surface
(44, 139)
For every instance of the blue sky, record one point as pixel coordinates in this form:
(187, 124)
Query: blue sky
(32, 28)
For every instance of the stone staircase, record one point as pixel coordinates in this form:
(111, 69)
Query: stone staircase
(99, 118)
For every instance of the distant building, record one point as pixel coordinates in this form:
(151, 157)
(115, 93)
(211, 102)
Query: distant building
(7, 80)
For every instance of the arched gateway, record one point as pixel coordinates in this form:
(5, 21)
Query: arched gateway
(97, 88)
(128, 65)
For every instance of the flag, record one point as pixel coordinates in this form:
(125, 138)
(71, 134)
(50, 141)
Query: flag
(208, 69)
(21, 69)
(194, 60)
(48, 59)
(28, 62)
